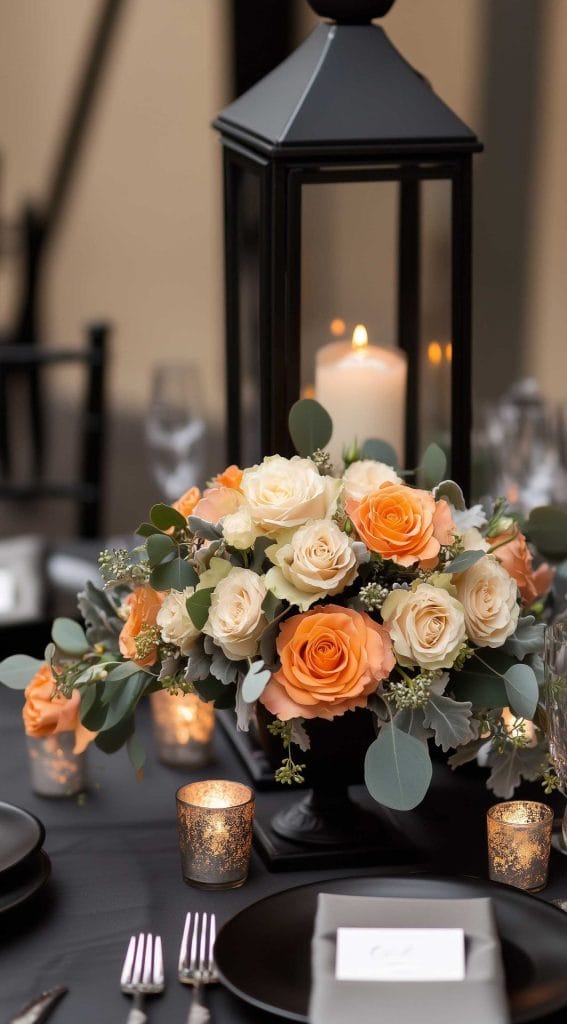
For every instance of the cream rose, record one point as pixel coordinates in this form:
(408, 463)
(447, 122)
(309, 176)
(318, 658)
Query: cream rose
(489, 597)
(319, 561)
(427, 626)
(366, 476)
(473, 540)
(236, 619)
(285, 493)
(238, 529)
(174, 621)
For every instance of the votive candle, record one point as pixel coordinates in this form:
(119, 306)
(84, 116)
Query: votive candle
(215, 820)
(55, 770)
(519, 840)
(183, 728)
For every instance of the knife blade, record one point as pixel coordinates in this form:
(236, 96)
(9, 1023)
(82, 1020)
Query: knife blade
(39, 1009)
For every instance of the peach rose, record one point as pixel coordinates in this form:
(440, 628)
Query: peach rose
(516, 558)
(218, 502)
(403, 524)
(47, 712)
(186, 503)
(144, 604)
(231, 477)
(332, 659)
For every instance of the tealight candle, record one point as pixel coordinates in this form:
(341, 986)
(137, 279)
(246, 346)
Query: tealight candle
(519, 839)
(363, 388)
(215, 820)
(183, 728)
(55, 770)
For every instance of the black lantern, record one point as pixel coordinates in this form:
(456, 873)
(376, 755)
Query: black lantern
(345, 108)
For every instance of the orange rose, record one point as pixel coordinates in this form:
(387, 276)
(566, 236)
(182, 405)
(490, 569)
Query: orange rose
(403, 524)
(332, 659)
(232, 477)
(47, 712)
(144, 605)
(186, 503)
(218, 502)
(517, 559)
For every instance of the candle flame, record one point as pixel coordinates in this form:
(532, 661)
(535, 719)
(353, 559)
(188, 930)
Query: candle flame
(359, 338)
(337, 327)
(434, 353)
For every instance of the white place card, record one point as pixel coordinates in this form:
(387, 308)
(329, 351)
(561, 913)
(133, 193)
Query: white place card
(400, 954)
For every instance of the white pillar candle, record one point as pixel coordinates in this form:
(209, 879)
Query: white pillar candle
(363, 388)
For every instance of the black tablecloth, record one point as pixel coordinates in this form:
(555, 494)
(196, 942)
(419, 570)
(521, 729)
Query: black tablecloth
(116, 871)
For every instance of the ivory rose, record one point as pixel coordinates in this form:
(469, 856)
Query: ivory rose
(489, 597)
(365, 476)
(47, 712)
(236, 619)
(332, 659)
(287, 492)
(174, 621)
(427, 626)
(403, 524)
(218, 502)
(143, 604)
(516, 558)
(319, 561)
(238, 529)
(186, 503)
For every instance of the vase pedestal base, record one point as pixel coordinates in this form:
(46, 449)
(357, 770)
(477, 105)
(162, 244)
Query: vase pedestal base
(290, 834)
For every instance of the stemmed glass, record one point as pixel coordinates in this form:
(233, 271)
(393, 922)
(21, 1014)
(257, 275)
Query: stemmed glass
(556, 705)
(175, 429)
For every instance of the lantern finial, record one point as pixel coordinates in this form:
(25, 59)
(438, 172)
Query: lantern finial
(351, 11)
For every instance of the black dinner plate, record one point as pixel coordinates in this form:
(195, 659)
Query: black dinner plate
(21, 835)
(26, 883)
(263, 954)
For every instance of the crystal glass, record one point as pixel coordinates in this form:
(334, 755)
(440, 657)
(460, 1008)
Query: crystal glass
(519, 842)
(215, 820)
(556, 705)
(175, 429)
(54, 769)
(183, 728)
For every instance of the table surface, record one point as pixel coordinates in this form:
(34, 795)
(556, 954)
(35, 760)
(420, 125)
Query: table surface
(116, 871)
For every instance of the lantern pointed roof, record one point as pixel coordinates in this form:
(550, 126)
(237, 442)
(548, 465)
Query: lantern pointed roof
(346, 88)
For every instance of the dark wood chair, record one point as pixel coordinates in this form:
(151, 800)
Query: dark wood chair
(25, 366)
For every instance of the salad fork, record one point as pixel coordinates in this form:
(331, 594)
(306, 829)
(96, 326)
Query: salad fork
(196, 963)
(142, 973)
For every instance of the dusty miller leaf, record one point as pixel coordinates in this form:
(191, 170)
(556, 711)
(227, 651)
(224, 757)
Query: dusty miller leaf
(450, 721)
(298, 734)
(510, 768)
(255, 681)
(99, 613)
(528, 638)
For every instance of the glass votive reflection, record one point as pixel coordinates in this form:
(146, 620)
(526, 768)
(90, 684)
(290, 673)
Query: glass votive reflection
(183, 728)
(215, 820)
(519, 839)
(54, 769)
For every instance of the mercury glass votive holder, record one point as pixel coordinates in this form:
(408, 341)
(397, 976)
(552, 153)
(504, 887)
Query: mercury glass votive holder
(215, 820)
(184, 726)
(54, 769)
(519, 840)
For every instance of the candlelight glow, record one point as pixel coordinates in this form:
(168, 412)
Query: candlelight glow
(337, 327)
(449, 351)
(434, 353)
(359, 338)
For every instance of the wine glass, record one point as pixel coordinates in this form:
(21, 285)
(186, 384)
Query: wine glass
(175, 429)
(556, 705)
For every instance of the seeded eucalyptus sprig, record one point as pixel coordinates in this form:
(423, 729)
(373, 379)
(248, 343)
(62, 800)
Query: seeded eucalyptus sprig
(118, 569)
(289, 772)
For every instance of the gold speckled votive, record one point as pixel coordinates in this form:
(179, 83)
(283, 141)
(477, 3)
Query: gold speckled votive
(215, 819)
(55, 770)
(519, 839)
(183, 728)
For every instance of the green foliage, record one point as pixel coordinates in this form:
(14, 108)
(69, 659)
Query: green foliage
(310, 426)
(271, 606)
(547, 529)
(452, 493)
(510, 767)
(209, 688)
(198, 606)
(397, 769)
(99, 613)
(147, 530)
(158, 547)
(528, 638)
(433, 465)
(464, 560)
(112, 739)
(379, 451)
(174, 575)
(450, 720)
(164, 518)
(289, 773)
(18, 670)
(255, 682)
(522, 690)
(136, 753)
(204, 530)
(69, 637)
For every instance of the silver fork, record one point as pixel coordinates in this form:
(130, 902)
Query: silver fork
(142, 973)
(196, 963)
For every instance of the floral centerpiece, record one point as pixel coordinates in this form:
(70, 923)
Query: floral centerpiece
(315, 593)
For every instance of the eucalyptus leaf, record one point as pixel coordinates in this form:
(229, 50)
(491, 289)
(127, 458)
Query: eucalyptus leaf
(379, 451)
(208, 689)
(88, 695)
(198, 606)
(112, 739)
(452, 493)
(397, 769)
(464, 560)
(174, 575)
(203, 529)
(271, 606)
(223, 668)
(227, 698)
(450, 720)
(93, 713)
(49, 653)
(481, 687)
(18, 670)
(466, 753)
(136, 753)
(147, 530)
(528, 638)
(69, 637)
(433, 464)
(123, 671)
(159, 546)
(522, 690)
(268, 652)
(411, 721)
(547, 529)
(124, 699)
(255, 682)
(164, 517)
(310, 426)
